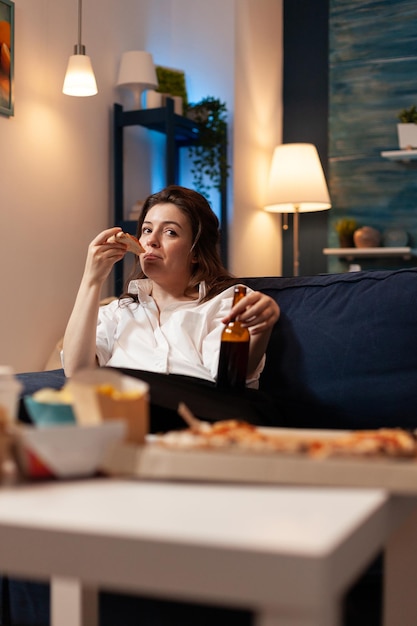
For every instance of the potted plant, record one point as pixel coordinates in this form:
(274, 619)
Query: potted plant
(209, 156)
(345, 227)
(171, 83)
(407, 128)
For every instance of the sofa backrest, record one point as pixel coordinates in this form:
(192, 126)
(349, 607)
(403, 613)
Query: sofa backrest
(344, 352)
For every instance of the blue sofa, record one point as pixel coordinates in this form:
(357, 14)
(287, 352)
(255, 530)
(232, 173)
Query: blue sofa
(344, 352)
(343, 355)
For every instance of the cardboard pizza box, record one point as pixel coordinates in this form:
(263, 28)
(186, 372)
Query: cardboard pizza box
(152, 461)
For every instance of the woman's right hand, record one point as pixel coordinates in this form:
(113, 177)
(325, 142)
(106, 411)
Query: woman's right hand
(101, 256)
(80, 334)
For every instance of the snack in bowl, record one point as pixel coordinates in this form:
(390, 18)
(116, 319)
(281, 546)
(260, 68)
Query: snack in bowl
(118, 394)
(50, 407)
(104, 394)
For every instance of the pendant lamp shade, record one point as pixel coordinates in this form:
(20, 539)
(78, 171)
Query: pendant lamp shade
(79, 78)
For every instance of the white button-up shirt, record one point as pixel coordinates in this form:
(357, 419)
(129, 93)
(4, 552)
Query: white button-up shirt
(182, 339)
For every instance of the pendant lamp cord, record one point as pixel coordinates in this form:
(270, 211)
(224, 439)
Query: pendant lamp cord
(79, 21)
(79, 48)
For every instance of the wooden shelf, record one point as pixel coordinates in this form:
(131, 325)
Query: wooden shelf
(185, 131)
(355, 253)
(400, 155)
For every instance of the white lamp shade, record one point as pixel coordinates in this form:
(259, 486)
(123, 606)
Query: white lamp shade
(137, 68)
(296, 180)
(79, 78)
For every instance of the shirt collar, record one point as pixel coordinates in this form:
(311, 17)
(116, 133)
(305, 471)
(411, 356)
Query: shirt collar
(142, 287)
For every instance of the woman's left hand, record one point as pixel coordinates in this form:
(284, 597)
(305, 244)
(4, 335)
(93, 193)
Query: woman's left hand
(256, 311)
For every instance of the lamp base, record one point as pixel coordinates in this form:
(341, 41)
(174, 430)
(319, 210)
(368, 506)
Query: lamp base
(132, 99)
(296, 249)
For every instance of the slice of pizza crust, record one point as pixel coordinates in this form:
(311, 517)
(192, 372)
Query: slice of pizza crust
(133, 244)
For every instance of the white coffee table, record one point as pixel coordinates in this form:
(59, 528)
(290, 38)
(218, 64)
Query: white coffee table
(288, 554)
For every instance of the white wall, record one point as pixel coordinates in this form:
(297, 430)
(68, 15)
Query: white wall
(255, 235)
(55, 163)
(54, 176)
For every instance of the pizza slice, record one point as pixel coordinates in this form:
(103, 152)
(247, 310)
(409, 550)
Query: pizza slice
(385, 442)
(133, 244)
(380, 443)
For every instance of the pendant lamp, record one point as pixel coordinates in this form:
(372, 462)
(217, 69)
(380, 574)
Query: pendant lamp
(79, 78)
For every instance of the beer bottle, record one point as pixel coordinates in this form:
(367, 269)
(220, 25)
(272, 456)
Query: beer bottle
(234, 351)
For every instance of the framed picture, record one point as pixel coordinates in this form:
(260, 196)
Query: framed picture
(6, 57)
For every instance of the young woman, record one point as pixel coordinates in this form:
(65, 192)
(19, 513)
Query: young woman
(165, 329)
(179, 298)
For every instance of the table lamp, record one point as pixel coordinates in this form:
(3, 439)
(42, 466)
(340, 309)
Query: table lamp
(296, 184)
(137, 73)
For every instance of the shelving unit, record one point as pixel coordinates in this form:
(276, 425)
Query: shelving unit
(350, 254)
(400, 155)
(180, 132)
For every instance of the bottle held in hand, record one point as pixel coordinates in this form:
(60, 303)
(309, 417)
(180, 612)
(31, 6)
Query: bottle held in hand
(234, 351)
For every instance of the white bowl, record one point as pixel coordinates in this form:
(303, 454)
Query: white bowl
(66, 451)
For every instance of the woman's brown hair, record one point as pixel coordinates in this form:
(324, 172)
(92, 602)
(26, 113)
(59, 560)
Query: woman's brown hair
(205, 234)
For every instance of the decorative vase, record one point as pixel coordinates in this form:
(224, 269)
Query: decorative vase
(178, 105)
(367, 237)
(155, 99)
(407, 136)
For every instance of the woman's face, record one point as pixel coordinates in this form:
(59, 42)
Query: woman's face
(167, 240)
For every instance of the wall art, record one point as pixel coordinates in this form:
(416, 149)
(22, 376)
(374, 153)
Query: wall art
(372, 78)
(6, 57)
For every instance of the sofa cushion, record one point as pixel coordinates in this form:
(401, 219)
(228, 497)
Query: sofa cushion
(344, 352)
(33, 381)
